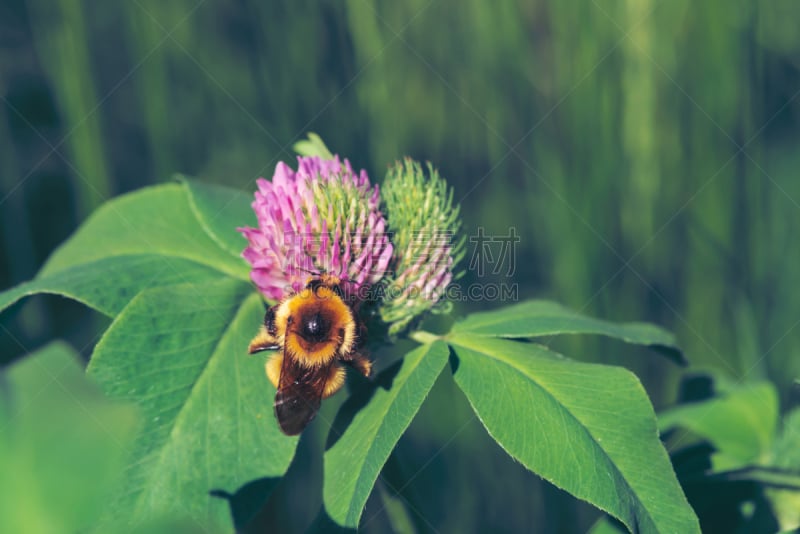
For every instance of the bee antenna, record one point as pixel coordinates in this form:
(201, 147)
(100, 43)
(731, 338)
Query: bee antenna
(343, 278)
(306, 270)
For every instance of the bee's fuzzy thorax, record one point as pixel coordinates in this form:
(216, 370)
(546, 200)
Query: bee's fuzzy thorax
(316, 336)
(315, 326)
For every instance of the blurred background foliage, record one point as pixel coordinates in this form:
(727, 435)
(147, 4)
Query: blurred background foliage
(645, 152)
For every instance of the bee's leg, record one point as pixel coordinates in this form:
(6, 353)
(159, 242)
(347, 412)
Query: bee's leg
(263, 341)
(360, 363)
(334, 380)
(273, 367)
(361, 334)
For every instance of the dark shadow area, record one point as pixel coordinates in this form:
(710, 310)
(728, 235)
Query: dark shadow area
(671, 353)
(695, 387)
(80, 326)
(298, 495)
(361, 391)
(724, 506)
(325, 525)
(691, 460)
(616, 524)
(247, 500)
(722, 503)
(454, 361)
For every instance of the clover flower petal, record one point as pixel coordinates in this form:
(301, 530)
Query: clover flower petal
(321, 218)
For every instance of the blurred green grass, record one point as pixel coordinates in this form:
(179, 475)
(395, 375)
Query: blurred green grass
(608, 134)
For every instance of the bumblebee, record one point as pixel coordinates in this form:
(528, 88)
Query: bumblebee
(314, 334)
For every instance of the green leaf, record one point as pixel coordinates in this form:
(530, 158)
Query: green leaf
(396, 513)
(786, 452)
(766, 476)
(154, 237)
(606, 525)
(588, 429)
(108, 284)
(62, 444)
(313, 146)
(740, 424)
(780, 486)
(786, 507)
(180, 354)
(354, 461)
(157, 221)
(536, 318)
(221, 210)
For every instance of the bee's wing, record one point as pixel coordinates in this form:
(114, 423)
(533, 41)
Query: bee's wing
(299, 394)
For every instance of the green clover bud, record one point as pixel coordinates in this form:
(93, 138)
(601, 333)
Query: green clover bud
(427, 247)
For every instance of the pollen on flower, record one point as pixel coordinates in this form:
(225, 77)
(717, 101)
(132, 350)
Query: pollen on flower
(321, 218)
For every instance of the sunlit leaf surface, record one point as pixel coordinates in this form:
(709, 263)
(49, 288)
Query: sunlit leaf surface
(164, 263)
(220, 211)
(157, 220)
(588, 429)
(108, 284)
(739, 424)
(536, 318)
(180, 354)
(354, 461)
(170, 234)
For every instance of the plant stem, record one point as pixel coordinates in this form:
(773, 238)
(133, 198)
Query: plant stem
(421, 336)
